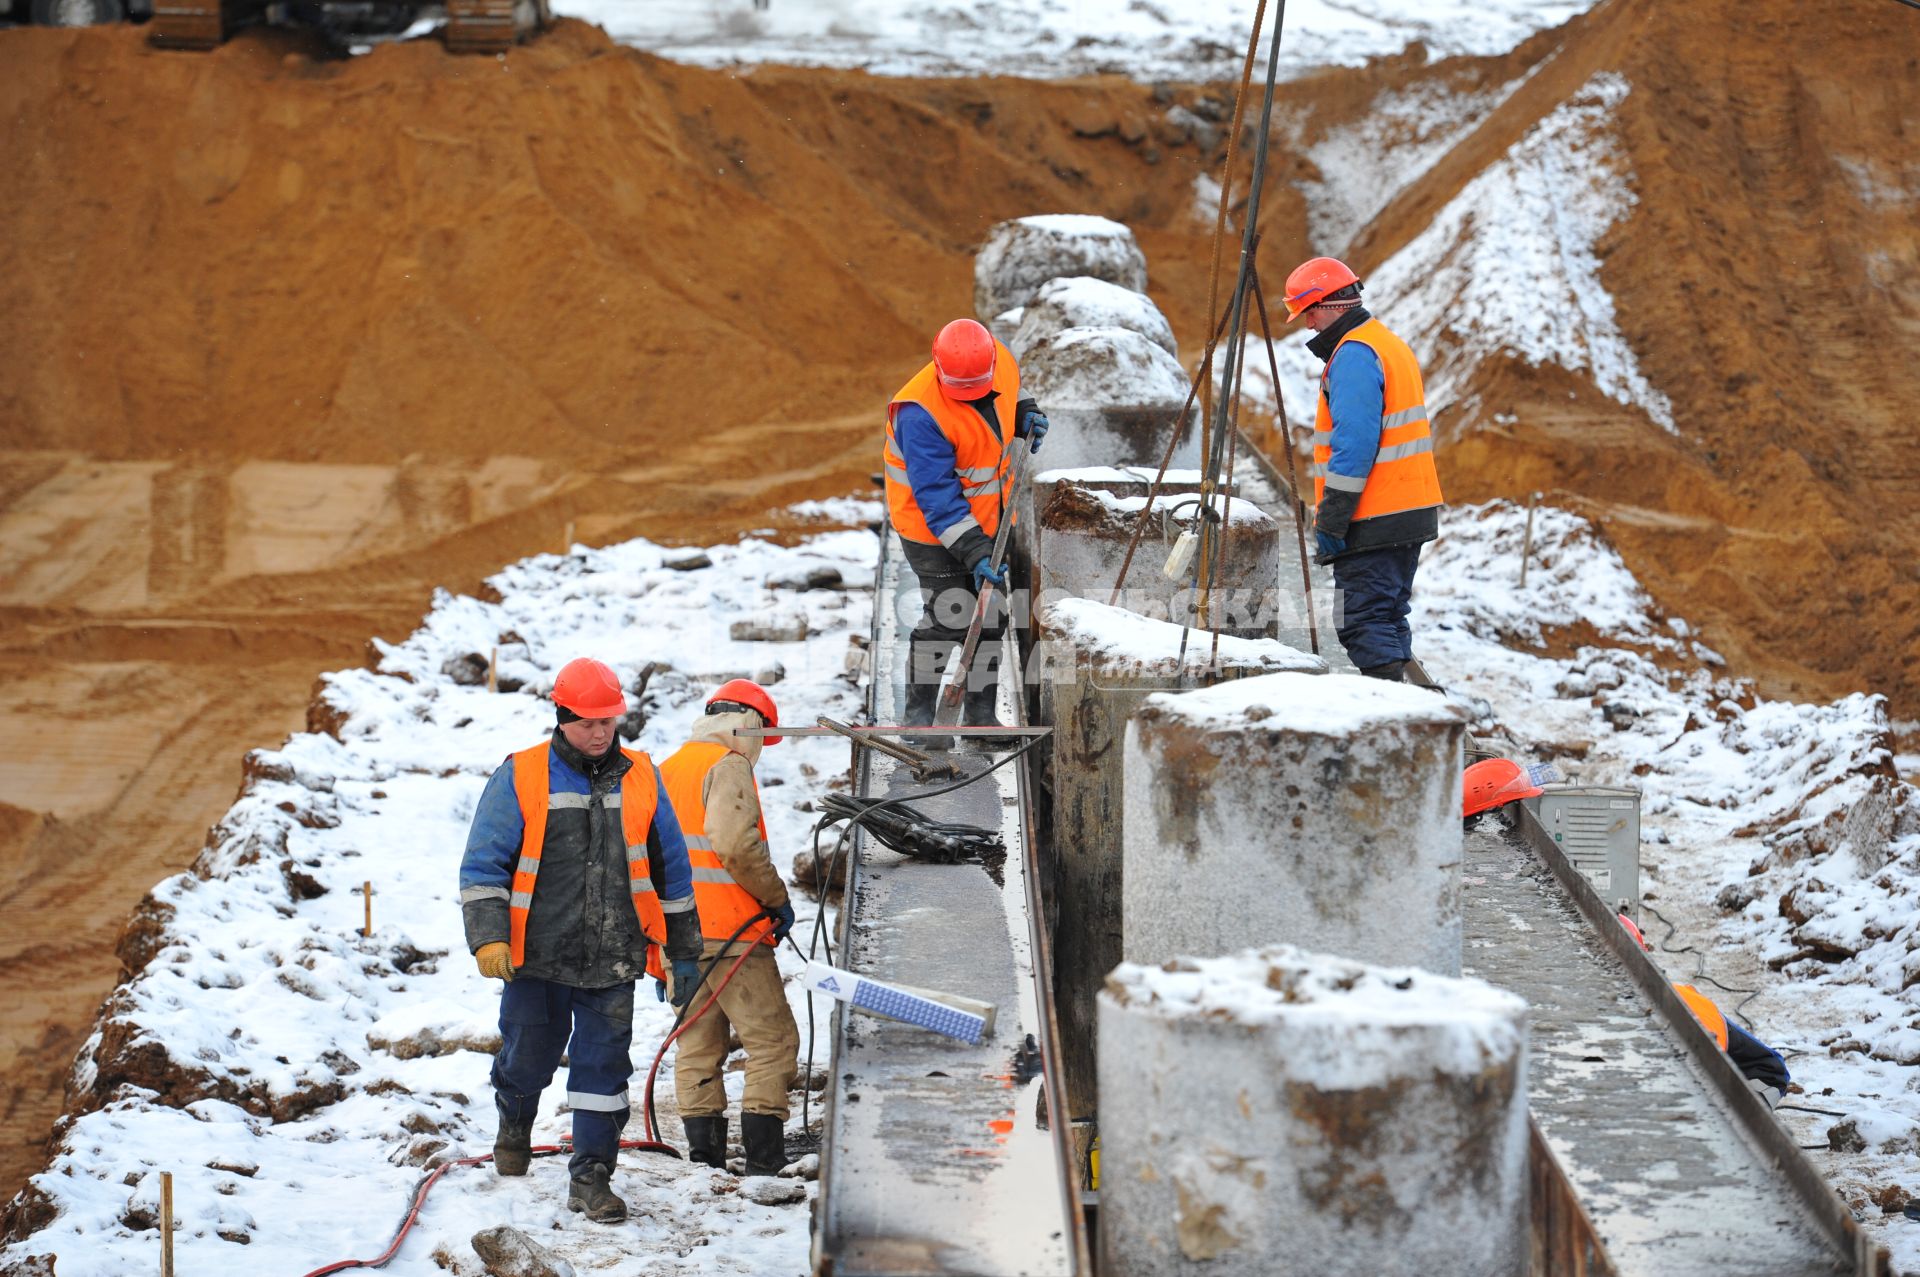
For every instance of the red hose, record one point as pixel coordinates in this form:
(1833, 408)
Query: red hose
(543, 1150)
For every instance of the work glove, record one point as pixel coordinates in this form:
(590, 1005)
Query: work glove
(1326, 546)
(495, 960)
(782, 921)
(1769, 1095)
(1032, 427)
(686, 978)
(984, 571)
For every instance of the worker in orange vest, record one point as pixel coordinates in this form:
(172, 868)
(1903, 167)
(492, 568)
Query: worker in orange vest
(742, 902)
(1763, 1067)
(575, 868)
(946, 461)
(1376, 492)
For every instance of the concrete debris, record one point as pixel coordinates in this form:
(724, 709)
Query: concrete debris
(1021, 255)
(790, 629)
(508, 1252)
(766, 1190)
(690, 561)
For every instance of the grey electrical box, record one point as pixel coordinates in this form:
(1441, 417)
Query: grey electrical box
(1597, 827)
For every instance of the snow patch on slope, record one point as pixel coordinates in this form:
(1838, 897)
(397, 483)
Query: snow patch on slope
(1048, 39)
(1508, 267)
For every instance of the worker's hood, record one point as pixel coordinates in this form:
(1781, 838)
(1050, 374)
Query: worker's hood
(719, 728)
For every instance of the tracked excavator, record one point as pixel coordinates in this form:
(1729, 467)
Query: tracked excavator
(472, 26)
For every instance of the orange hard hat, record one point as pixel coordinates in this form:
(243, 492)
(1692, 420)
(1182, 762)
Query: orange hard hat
(744, 691)
(1495, 783)
(963, 356)
(1633, 929)
(1312, 282)
(590, 689)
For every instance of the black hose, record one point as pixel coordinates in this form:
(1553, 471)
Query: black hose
(1700, 967)
(680, 1013)
(824, 879)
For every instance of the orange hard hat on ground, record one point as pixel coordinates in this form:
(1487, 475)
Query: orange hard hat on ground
(590, 689)
(1633, 929)
(1312, 282)
(963, 356)
(742, 691)
(1495, 783)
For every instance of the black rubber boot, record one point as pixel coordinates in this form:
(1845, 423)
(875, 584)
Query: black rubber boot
(981, 709)
(765, 1139)
(513, 1148)
(922, 699)
(707, 1140)
(1392, 671)
(590, 1193)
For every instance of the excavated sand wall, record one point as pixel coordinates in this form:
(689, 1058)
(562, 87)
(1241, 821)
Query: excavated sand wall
(1280, 1112)
(1287, 809)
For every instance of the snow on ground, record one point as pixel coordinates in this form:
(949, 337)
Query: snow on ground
(1776, 837)
(1047, 39)
(310, 1073)
(1366, 164)
(1509, 267)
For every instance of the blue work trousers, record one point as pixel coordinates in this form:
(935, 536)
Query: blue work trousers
(1376, 591)
(539, 1020)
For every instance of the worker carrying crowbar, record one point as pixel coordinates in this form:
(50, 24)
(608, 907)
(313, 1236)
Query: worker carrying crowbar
(950, 472)
(575, 867)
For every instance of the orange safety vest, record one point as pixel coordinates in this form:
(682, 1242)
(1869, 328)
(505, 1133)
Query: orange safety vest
(1704, 1011)
(724, 905)
(638, 793)
(1403, 475)
(980, 457)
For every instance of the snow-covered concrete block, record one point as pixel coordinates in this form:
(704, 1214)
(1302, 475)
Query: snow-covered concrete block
(1113, 398)
(1277, 1110)
(1095, 666)
(1023, 254)
(1080, 301)
(1122, 481)
(1081, 541)
(1322, 812)
(1004, 325)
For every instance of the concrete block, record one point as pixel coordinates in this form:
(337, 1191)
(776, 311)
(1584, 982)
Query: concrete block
(1322, 812)
(1081, 541)
(1276, 1111)
(1021, 255)
(1113, 398)
(1080, 301)
(1096, 666)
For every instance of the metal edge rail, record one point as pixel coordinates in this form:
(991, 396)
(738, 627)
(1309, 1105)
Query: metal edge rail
(1059, 1109)
(1752, 1116)
(1565, 1242)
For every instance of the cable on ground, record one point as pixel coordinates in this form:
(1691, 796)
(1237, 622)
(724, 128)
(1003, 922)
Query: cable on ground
(1700, 967)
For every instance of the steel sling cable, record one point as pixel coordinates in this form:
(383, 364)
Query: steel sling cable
(1203, 383)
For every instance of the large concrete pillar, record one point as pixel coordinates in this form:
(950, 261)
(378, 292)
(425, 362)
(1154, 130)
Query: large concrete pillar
(1322, 812)
(1120, 481)
(1082, 536)
(1094, 668)
(1080, 301)
(1021, 255)
(1275, 1112)
(1113, 398)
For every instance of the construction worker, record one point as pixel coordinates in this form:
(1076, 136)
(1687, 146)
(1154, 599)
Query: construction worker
(1763, 1067)
(1375, 490)
(946, 459)
(743, 906)
(575, 865)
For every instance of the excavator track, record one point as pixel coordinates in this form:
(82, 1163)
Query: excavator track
(490, 26)
(188, 24)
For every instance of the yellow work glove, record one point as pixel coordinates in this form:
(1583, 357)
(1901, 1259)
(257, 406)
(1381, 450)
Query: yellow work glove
(494, 960)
